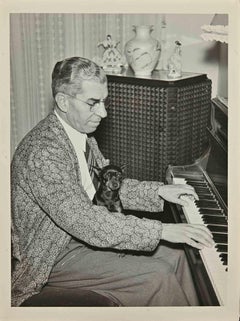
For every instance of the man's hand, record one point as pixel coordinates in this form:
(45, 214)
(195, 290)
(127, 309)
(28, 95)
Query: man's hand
(193, 234)
(173, 193)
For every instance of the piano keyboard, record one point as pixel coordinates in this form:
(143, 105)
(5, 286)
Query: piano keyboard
(208, 211)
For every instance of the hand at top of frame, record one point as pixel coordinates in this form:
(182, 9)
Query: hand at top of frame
(173, 193)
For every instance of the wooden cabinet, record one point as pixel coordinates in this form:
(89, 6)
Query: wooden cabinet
(153, 122)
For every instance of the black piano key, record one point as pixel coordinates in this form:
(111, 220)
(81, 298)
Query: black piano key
(223, 262)
(204, 210)
(203, 197)
(201, 190)
(212, 211)
(224, 258)
(199, 178)
(221, 220)
(207, 204)
(212, 214)
(199, 184)
(196, 183)
(205, 194)
(220, 238)
(217, 228)
(222, 248)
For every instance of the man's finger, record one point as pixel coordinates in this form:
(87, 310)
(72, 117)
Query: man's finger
(197, 245)
(181, 202)
(189, 196)
(203, 228)
(202, 240)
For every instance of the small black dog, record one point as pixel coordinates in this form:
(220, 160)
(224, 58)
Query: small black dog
(110, 178)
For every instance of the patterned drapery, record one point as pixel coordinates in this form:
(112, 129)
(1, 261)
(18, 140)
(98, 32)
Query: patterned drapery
(38, 41)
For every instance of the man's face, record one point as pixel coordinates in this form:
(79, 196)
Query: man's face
(80, 115)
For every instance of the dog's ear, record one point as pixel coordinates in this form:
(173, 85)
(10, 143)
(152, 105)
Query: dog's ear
(96, 170)
(123, 167)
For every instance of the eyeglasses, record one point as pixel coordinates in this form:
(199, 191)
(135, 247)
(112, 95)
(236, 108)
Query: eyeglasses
(95, 102)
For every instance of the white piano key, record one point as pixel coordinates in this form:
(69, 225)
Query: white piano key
(179, 180)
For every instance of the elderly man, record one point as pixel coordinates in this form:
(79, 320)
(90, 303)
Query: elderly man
(60, 240)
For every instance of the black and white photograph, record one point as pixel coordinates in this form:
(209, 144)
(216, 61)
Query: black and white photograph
(119, 163)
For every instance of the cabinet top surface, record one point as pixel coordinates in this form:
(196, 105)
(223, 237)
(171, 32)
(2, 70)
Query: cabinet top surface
(160, 75)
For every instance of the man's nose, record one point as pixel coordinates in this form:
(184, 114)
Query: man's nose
(101, 110)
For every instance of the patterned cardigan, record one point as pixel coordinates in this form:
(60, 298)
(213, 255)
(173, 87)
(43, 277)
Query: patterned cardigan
(49, 206)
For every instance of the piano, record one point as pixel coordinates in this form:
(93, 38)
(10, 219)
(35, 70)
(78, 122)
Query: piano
(208, 175)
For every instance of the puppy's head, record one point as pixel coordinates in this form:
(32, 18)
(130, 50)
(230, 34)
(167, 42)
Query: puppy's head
(111, 176)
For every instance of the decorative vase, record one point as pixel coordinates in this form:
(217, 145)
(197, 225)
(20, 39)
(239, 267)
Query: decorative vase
(175, 62)
(142, 51)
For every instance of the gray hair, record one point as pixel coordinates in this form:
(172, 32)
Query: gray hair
(68, 75)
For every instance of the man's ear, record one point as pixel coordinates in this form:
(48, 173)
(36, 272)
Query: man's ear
(62, 102)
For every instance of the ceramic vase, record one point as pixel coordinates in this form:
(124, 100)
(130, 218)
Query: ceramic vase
(143, 51)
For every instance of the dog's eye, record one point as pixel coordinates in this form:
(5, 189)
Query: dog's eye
(106, 176)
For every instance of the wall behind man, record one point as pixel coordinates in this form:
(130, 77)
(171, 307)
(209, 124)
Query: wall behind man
(197, 55)
(38, 41)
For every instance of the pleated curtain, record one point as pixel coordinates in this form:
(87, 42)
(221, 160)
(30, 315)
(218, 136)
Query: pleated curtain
(38, 41)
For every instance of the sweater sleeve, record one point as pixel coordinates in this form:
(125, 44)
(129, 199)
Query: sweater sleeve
(56, 187)
(141, 196)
